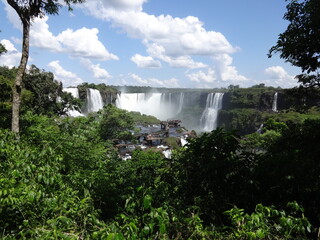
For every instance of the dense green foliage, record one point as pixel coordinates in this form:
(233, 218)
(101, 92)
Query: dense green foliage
(300, 43)
(40, 94)
(63, 179)
(143, 119)
(116, 123)
(245, 109)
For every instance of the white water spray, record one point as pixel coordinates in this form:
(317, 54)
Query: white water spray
(149, 104)
(209, 116)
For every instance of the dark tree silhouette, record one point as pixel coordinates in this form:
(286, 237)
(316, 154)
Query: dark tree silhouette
(300, 43)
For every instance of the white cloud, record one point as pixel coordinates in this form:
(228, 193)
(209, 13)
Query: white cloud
(153, 82)
(12, 15)
(220, 74)
(98, 72)
(171, 83)
(145, 62)
(84, 42)
(158, 51)
(200, 76)
(125, 5)
(279, 77)
(41, 37)
(67, 78)
(8, 45)
(172, 40)
(139, 79)
(12, 57)
(226, 73)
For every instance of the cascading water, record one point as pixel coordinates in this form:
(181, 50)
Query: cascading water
(209, 116)
(260, 129)
(275, 102)
(75, 93)
(154, 104)
(180, 103)
(94, 100)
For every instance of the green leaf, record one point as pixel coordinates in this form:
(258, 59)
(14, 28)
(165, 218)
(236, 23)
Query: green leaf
(147, 201)
(163, 228)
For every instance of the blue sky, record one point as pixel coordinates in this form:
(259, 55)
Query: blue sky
(160, 43)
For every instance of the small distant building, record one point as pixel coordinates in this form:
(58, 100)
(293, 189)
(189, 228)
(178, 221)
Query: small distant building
(170, 124)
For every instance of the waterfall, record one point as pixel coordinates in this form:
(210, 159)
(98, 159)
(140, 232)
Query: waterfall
(94, 100)
(209, 116)
(275, 102)
(75, 93)
(260, 129)
(180, 103)
(154, 104)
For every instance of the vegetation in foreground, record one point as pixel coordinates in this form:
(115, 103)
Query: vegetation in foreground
(63, 180)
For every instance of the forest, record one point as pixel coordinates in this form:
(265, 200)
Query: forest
(61, 177)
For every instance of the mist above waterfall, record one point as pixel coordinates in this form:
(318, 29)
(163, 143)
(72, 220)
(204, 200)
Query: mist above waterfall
(160, 105)
(189, 107)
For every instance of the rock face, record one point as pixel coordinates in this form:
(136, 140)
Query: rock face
(107, 94)
(246, 109)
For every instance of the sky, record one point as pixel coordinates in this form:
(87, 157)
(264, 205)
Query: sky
(157, 43)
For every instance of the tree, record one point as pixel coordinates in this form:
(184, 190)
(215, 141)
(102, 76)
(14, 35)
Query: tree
(2, 48)
(27, 10)
(300, 43)
(47, 95)
(116, 124)
(210, 171)
(292, 163)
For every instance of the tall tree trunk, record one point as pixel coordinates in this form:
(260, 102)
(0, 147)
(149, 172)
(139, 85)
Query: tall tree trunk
(16, 91)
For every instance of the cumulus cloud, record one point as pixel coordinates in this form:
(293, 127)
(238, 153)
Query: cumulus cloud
(98, 72)
(41, 37)
(153, 82)
(12, 57)
(169, 39)
(138, 79)
(220, 74)
(227, 73)
(84, 42)
(67, 78)
(279, 77)
(133, 5)
(158, 51)
(201, 76)
(145, 61)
